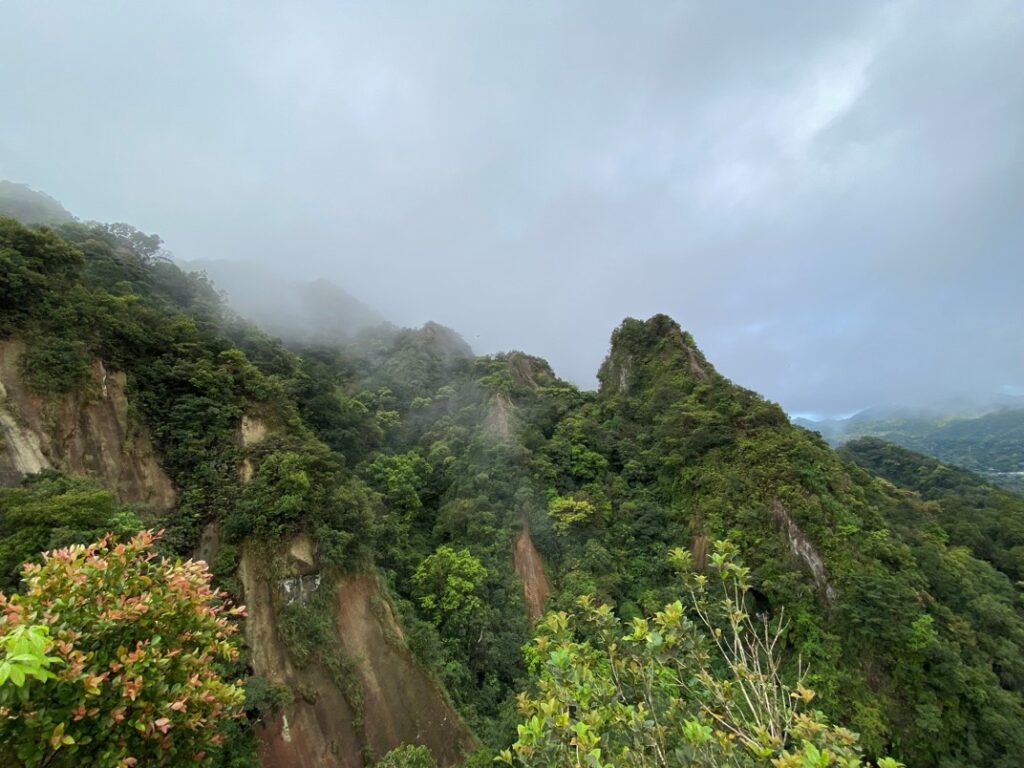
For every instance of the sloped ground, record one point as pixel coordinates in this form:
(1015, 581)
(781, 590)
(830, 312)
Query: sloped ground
(86, 432)
(531, 570)
(401, 704)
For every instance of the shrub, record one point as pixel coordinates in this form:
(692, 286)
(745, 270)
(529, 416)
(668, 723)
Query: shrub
(697, 685)
(134, 640)
(408, 757)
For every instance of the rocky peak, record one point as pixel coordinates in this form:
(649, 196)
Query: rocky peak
(446, 341)
(529, 371)
(641, 349)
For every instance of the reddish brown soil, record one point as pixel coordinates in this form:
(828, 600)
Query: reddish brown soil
(87, 432)
(401, 703)
(531, 570)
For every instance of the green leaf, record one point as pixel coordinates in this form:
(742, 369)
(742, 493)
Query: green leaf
(17, 676)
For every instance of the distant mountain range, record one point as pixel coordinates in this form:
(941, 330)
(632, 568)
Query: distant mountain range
(989, 443)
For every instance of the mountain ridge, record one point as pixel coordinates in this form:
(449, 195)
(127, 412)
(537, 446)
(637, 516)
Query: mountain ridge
(409, 460)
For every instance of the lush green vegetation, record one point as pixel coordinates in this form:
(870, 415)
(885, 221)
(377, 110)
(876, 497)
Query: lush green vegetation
(698, 684)
(408, 757)
(973, 513)
(51, 510)
(404, 453)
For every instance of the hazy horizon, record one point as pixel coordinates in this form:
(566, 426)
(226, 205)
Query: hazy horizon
(829, 197)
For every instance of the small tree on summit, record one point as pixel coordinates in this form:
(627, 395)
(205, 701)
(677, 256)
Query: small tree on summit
(126, 673)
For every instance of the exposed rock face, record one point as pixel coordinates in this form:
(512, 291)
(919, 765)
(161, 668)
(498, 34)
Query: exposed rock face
(446, 341)
(252, 431)
(526, 372)
(209, 543)
(300, 587)
(86, 432)
(530, 568)
(696, 369)
(802, 548)
(401, 703)
(301, 551)
(529, 371)
(306, 578)
(498, 422)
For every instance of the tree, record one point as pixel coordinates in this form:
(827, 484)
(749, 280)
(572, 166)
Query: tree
(697, 685)
(146, 247)
(566, 512)
(127, 673)
(448, 583)
(34, 264)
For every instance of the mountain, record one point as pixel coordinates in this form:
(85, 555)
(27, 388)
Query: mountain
(309, 312)
(397, 513)
(29, 206)
(990, 443)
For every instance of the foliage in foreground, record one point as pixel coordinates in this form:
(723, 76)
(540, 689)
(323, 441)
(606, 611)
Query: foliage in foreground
(697, 685)
(125, 674)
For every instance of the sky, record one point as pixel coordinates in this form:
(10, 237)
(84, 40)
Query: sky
(829, 196)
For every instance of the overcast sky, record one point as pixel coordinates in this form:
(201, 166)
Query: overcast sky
(829, 196)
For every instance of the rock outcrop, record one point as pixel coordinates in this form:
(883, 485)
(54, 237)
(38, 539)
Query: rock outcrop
(801, 547)
(321, 728)
(86, 432)
(499, 419)
(638, 343)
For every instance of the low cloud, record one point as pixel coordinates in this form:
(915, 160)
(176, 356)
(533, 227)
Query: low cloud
(829, 196)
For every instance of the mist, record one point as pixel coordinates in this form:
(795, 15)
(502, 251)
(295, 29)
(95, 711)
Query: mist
(830, 197)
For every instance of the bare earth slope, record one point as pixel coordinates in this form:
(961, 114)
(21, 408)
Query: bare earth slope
(87, 433)
(400, 702)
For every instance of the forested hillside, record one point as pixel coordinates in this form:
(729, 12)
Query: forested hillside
(991, 444)
(399, 513)
(974, 513)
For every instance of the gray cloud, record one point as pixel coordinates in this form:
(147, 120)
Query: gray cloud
(830, 196)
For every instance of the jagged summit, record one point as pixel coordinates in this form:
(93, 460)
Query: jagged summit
(637, 344)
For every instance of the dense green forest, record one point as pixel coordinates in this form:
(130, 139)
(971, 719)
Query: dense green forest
(892, 582)
(987, 520)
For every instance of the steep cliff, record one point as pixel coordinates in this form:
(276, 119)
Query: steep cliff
(373, 698)
(89, 431)
(333, 641)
